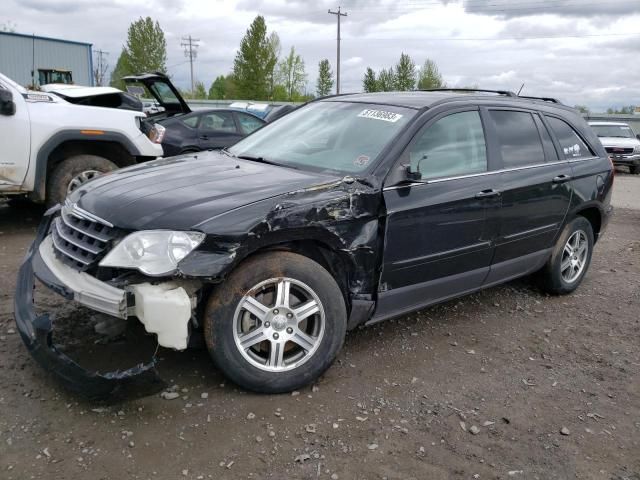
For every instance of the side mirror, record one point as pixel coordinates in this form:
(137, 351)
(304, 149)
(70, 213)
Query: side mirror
(7, 105)
(638, 136)
(411, 175)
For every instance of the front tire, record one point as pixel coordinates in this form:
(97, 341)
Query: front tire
(72, 173)
(570, 259)
(276, 323)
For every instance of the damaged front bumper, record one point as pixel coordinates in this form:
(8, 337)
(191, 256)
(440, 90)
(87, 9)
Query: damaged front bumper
(36, 330)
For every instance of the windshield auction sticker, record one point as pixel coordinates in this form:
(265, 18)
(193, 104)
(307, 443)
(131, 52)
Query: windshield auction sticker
(380, 115)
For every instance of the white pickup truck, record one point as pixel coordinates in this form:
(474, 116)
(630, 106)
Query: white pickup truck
(51, 144)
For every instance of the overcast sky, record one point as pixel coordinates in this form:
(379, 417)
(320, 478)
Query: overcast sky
(581, 51)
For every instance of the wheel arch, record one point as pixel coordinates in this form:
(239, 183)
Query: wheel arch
(593, 215)
(113, 146)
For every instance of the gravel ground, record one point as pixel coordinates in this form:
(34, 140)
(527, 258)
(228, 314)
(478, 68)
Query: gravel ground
(506, 383)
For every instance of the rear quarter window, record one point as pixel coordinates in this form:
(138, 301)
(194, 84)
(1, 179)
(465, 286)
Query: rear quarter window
(571, 144)
(191, 121)
(518, 138)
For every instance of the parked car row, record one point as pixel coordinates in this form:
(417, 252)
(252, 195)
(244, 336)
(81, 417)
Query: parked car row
(56, 139)
(348, 211)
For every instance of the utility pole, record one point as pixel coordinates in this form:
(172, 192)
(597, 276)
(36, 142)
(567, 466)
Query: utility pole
(338, 14)
(101, 67)
(191, 52)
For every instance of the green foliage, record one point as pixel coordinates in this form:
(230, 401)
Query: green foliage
(272, 60)
(145, 51)
(430, 76)
(218, 89)
(629, 110)
(291, 74)
(254, 63)
(582, 108)
(200, 92)
(369, 82)
(405, 74)
(325, 78)
(122, 69)
(386, 80)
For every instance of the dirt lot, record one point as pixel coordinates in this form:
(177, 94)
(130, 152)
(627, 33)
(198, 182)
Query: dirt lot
(399, 403)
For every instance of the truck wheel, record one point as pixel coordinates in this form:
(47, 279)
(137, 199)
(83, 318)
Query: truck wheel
(276, 323)
(73, 172)
(634, 169)
(570, 259)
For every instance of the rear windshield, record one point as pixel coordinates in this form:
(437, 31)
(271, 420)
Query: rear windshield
(619, 131)
(327, 136)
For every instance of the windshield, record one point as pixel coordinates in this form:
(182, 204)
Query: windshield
(327, 136)
(621, 131)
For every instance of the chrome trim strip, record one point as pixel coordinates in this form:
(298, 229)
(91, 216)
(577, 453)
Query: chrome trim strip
(492, 172)
(542, 229)
(88, 248)
(67, 253)
(76, 211)
(97, 236)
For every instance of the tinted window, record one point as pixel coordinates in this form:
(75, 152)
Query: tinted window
(191, 121)
(571, 144)
(248, 123)
(549, 149)
(218, 121)
(518, 138)
(454, 145)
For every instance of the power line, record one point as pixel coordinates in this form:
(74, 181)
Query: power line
(191, 52)
(338, 14)
(101, 67)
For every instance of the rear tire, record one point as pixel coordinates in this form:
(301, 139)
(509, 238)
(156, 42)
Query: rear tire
(570, 259)
(73, 172)
(276, 323)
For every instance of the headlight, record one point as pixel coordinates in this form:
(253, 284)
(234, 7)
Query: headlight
(636, 149)
(154, 252)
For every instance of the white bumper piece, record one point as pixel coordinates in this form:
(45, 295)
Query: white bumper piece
(165, 310)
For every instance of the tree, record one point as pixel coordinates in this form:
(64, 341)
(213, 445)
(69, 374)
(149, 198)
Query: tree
(218, 88)
(272, 60)
(144, 51)
(582, 108)
(200, 92)
(325, 78)
(405, 75)
(430, 76)
(386, 80)
(291, 75)
(146, 46)
(369, 82)
(254, 62)
(122, 69)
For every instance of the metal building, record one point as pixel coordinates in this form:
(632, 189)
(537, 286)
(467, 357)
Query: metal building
(34, 60)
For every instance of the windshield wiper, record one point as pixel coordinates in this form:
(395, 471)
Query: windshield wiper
(257, 159)
(227, 152)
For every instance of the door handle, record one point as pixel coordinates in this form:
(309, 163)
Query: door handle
(489, 193)
(561, 178)
(204, 137)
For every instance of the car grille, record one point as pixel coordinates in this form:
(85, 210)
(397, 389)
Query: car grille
(81, 242)
(619, 151)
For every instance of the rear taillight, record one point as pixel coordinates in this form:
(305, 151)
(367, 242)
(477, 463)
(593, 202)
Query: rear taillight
(156, 135)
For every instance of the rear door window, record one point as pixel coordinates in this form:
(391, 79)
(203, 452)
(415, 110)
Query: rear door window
(248, 123)
(191, 121)
(218, 122)
(571, 144)
(518, 138)
(453, 145)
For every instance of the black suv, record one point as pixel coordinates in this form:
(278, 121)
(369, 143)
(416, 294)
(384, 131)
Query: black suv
(348, 211)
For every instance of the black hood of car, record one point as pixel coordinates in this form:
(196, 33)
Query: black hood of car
(183, 192)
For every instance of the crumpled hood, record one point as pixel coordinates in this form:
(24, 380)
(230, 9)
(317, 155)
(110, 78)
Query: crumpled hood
(183, 192)
(619, 142)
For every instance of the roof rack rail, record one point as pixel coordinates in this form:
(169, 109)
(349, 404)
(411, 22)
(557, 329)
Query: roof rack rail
(470, 90)
(544, 99)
